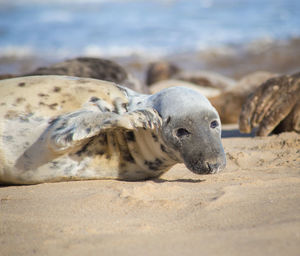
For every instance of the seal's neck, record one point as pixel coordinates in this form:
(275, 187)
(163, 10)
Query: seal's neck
(154, 152)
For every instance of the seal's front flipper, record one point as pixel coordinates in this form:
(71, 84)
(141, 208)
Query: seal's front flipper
(146, 118)
(72, 130)
(64, 134)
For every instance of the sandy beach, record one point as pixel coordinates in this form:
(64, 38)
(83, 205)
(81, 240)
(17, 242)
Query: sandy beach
(251, 208)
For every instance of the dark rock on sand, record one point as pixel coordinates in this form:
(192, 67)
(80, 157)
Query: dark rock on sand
(6, 76)
(164, 70)
(159, 71)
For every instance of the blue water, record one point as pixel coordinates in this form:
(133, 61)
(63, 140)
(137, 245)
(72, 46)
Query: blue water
(97, 27)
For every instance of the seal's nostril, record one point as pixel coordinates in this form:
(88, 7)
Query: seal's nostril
(212, 168)
(208, 167)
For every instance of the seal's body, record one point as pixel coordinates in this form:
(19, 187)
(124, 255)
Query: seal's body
(56, 128)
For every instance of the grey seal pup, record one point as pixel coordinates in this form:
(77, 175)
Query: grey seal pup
(57, 128)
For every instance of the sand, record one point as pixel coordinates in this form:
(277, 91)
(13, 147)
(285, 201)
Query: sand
(251, 208)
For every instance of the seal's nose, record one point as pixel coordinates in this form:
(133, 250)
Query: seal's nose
(215, 167)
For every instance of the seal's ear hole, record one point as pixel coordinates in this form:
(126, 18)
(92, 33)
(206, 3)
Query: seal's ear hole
(181, 132)
(214, 124)
(168, 120)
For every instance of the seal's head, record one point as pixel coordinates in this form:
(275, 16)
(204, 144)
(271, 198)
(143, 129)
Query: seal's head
(192, 127)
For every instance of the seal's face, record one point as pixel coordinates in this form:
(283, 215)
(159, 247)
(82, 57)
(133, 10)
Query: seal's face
(197, 137)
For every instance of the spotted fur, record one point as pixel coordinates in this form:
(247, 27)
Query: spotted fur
(74, 134)
(56, 128)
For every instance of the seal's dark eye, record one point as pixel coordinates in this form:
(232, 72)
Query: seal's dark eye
(214, 124)
(182, 132)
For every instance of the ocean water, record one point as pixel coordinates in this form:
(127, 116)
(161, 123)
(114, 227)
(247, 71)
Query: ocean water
(68, 28)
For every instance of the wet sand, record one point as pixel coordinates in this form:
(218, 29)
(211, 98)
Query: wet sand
(251, 208)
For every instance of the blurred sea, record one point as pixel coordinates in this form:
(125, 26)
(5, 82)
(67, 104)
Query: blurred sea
(68, 28)
(233, 37)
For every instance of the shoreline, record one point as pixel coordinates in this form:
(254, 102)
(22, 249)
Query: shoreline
(235, 61)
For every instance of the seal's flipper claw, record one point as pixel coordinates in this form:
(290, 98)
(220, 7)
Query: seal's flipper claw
(71, 130)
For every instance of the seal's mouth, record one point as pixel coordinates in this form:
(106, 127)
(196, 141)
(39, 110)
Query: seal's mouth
(200, 167)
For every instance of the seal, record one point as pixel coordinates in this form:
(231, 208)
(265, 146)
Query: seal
(102, 69)
(274, 107)
(229, 103)
(57, 128)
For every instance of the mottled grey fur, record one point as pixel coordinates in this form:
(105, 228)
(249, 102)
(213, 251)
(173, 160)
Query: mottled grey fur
(185, 110)
(130, 137)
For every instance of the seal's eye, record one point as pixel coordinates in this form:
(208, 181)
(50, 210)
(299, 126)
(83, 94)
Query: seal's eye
(214, 124)
(182, 132)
